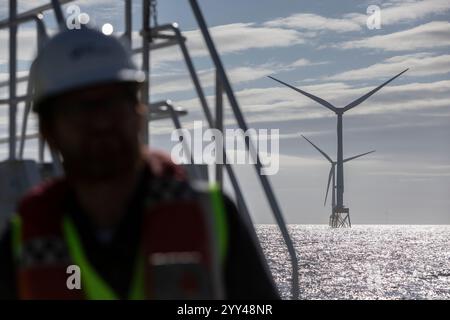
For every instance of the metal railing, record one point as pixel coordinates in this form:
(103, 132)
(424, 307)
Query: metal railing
(150, 34)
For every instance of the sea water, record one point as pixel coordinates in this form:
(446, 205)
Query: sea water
(362, 262)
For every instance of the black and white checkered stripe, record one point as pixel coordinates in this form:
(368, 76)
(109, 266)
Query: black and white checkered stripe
(53, 250)
(43, 251)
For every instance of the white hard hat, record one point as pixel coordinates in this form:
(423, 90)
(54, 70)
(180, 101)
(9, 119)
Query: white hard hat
(74, 59)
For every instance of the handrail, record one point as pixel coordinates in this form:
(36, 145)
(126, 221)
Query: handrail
(249, 144)
(16, 100)
(145, 32)
(4, 140)
(12, 78)
(209, 118)
(6, 22)
(5, 83)
(59, 15)
(167, 105)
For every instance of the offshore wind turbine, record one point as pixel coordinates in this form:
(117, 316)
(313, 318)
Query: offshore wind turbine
(340, 208)
(335, 221)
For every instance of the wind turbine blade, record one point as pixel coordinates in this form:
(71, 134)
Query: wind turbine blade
(309, 95)
(330, 175)
(359, 155)
(318, 149)
(367, 95)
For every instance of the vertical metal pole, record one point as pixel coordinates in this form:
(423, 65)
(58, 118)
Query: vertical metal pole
(145, 92)
(128, 22)
(219, 126)
(41, 39)
(58, 169)
(209, 118)
(59, 14)
(178, 126)
(12, 78)
(340, 164)
(26, 112)
(41, 149)
(249, 144)
(333, 200)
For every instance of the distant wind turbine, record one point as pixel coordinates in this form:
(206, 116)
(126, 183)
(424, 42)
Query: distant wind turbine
(340, 208)
(331, 178)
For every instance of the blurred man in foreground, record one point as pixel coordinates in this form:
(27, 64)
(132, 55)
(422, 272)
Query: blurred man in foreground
(124, 222)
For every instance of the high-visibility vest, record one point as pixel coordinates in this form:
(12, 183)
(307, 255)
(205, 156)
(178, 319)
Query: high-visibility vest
(182, 250)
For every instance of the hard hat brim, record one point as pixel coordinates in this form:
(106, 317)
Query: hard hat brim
(96, 78)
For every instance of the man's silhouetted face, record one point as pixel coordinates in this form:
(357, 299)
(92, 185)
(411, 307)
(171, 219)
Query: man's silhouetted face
(97, 131)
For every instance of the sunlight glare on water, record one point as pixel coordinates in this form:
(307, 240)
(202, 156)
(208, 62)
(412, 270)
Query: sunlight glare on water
(363, 262)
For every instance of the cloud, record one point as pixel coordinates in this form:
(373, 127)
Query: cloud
(279, 104)
(177, 82)
(420, 64)
(430, 35)
(315, 22)
(404, 11)
(391, 13)
(180, 81)
(382, 165)
(410, 174)
(23, 6)
(31, 4)
(233, 38)
(229, 38)
(26, 44)
(306, 63)
(242, 36)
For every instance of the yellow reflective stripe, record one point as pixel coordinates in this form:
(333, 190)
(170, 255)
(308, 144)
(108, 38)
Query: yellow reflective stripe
(16, 234)
(138, 285)
(220, 219)
(95, 288)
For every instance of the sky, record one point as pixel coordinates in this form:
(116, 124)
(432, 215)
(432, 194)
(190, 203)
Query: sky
(325, 48)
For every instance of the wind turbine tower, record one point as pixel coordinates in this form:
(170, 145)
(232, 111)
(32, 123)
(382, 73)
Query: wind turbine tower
(336, 220)
(340, 210)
